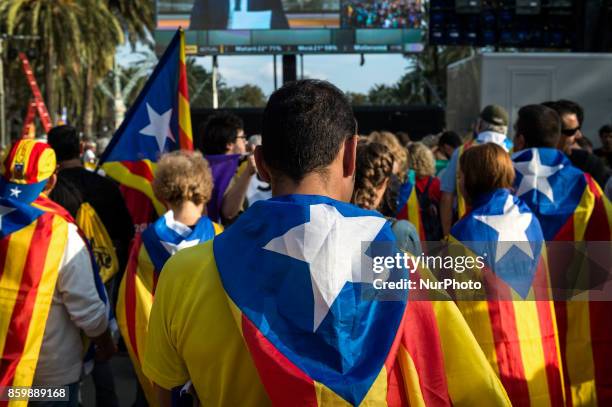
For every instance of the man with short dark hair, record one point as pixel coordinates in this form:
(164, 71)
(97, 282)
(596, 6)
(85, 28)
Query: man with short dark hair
(223, 134)
(280, 296)
(572, 116)
(570, 207)
(605, 151)
(100, 192)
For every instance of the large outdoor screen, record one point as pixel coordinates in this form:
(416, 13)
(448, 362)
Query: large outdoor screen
(292, 26)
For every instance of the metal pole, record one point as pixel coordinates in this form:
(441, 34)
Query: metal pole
(215, 93)
(301, 66)
(275, 79)
(2, 107)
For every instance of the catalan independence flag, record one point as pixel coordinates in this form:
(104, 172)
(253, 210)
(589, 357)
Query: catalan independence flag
(292, 326)
(408, 206)
(32, 243)
(159, 121)
(514, 323)
(149, 253)
(571, 207)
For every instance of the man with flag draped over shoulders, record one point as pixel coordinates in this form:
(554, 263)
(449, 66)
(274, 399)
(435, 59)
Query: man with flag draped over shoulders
(183, 183)
(570, 207)
(271, 311)
(47, 287)
(513, 319)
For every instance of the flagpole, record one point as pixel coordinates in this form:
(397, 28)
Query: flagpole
(215, 92)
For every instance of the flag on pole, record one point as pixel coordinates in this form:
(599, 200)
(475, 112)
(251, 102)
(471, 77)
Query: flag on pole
(159, 121)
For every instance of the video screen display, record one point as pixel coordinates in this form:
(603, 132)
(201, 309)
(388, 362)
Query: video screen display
(305, 26)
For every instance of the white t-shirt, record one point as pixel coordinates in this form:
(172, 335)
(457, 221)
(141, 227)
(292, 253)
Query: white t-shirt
(75, 306)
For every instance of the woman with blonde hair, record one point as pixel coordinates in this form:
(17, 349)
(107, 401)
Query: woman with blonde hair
(400, 156)
(423, 163)
(183, 183)
(374, 169)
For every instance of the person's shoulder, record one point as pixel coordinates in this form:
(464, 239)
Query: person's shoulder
(193, 265)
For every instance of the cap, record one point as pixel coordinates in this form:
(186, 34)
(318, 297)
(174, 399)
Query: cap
(26, 169)
(495, 114)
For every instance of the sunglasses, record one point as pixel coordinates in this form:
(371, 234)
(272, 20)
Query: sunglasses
(570, 132)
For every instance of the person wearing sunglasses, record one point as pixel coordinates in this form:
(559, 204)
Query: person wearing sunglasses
(572, 117)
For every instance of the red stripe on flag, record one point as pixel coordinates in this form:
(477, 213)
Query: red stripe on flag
(548, 334)
(561, 315)
(184, 140)
(139, 168)
(422, 341)
(130, 294)
(285, 383)
(508, 351)
(598, 227)
(32, 170)
(26, 299)
(600, 315)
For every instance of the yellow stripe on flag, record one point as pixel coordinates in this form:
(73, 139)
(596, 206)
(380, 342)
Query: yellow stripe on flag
(411, 378)
(24, 374)
(121, 174)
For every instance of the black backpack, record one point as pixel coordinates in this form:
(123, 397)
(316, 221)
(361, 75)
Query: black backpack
(430, 214)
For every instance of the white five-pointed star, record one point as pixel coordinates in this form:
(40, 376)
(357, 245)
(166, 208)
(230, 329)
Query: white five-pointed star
(535, 176)
(511, 227)
(4, 210)
(159, 127)
(15, 192)
(331, 244)
(173, 248)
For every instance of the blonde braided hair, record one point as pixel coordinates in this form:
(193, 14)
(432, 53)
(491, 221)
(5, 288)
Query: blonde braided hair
(400, 154)
(374, 166)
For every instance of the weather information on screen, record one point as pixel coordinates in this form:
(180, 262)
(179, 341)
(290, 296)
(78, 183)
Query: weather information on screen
(42, 393)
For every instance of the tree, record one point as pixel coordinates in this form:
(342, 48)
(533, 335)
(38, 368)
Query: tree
(243, 96)
(357, 99)
(76, 40)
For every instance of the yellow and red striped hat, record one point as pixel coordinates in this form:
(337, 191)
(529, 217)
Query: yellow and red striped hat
(26, 169)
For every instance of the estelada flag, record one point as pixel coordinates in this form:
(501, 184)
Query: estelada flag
(408, 206)
(32, 243)
(159, 121)
(514, 320)
(571, 207)
(289, 320)
(149, 253)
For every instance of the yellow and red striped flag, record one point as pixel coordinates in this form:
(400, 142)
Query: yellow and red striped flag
(159, 121)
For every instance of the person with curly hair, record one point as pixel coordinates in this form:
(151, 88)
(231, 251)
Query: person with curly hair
(400, 156)
(374, 170)
(423, 163)
(183, 183)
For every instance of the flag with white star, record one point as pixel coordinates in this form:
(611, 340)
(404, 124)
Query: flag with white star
(572, 208)
(150, 252)
(158, 122)
(297, 267)
(514, 322)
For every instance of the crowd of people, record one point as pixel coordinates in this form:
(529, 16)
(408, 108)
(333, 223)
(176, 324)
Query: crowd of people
(381, 14)
(256, 299)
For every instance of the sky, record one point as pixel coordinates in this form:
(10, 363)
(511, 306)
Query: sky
(342, 70)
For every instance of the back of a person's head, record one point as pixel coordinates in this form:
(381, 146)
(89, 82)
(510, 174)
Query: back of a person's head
(403, 137)
(605, 129)
(539, 125)
(217, 132)
(422, 160)
(400, 155)
(304, 126)
(182, 176)
(374, 167)
(485, 168)
(64, 140)
(449, 138)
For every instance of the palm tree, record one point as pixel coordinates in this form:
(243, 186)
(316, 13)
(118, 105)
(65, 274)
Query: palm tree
(137, 18)
(76, 38)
